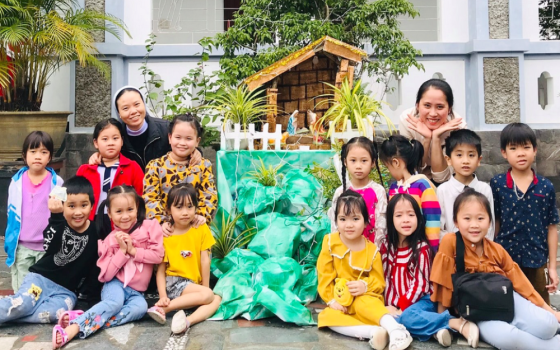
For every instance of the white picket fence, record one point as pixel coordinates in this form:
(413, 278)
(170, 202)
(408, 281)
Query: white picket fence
(238, 135)
(348, 133)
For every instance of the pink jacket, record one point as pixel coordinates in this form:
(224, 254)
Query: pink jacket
(132, 271)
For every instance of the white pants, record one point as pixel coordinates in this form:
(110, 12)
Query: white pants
(532, 328)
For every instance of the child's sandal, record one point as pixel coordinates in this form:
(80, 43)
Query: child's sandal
(59, 330)
(474, 333)
(400, 343)
(157, 314)
(72, 315)
(180, 323)
(379, 338)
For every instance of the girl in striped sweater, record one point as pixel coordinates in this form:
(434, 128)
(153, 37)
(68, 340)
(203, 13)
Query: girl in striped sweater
(407, 260)
(403, 157)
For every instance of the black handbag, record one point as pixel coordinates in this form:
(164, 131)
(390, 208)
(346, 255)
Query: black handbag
(480, 296)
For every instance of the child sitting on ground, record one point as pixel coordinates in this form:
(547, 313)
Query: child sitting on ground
(407, 262)
(534, 325)
(70, 244)
(126, 260)
(183, 278)
(463, 152)
(351, 280)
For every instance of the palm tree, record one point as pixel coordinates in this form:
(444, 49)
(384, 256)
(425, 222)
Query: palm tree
(37, 37)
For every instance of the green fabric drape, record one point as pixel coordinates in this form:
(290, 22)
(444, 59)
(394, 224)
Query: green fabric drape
(276, 273)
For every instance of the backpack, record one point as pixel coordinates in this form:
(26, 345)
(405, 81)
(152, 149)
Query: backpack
(480, 296)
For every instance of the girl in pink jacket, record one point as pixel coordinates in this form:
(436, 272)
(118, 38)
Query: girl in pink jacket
(126, 260)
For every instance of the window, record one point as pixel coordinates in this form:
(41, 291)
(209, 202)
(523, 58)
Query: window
(230, 7)
(425, 26)
(546, 93)
(549, 19)
(394, 95)
(187, 21)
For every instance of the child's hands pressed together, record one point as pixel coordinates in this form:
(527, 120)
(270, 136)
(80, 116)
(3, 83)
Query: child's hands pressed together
(120, 240)
(130, 249)
(336, 306)
(55, 205)
(163, 302)
(167, 229)
(356, 288)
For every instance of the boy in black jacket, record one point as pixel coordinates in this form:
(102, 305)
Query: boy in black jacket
(70, 243)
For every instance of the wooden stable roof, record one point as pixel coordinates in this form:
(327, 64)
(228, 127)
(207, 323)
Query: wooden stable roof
(325, 44)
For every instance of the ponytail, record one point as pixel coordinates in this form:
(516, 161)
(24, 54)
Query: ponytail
(398, 146)
(343, 155)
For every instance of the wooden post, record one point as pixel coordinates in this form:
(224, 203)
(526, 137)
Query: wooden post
(272, 100)
(340, 75)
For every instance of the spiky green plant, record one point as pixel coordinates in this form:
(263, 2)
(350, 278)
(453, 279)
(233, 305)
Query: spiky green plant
(239, 105)
(39, 36)
(224, 232)
(326, 176)
(266, 176)
(354, 104)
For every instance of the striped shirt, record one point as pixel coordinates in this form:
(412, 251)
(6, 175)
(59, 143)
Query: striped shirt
(406, 283)
(422, 189)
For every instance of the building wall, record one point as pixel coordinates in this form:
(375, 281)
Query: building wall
(463, 45)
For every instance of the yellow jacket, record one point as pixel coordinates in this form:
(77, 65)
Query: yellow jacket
(163, 173)
(337, 261)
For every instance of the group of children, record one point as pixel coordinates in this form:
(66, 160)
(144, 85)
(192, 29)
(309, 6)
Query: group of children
(394, 281)
(106, 231)
(384, 273)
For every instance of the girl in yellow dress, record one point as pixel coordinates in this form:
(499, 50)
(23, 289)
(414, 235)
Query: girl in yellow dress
(352, 283)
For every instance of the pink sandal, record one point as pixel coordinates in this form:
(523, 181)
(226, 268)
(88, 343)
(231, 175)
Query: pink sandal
(72, 315)
(56, 330)
(157, 314)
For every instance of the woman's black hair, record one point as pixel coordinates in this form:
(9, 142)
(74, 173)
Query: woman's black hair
(470, 194)
(398, 146)
(440, 85)
(351, 201)
(187, 118)
(127, 90)
(416, 238)
(114, 192)
(104, 124)
(34, 140)
(366, 144)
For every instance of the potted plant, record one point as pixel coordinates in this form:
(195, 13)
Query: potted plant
(239, 105)
(36, 38)
(354, 104)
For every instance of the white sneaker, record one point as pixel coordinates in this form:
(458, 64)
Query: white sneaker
(179, 324)
(400, 338)
(444, 337)
(379, 338)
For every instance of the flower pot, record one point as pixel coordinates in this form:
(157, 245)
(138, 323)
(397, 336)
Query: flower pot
(17, 125)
